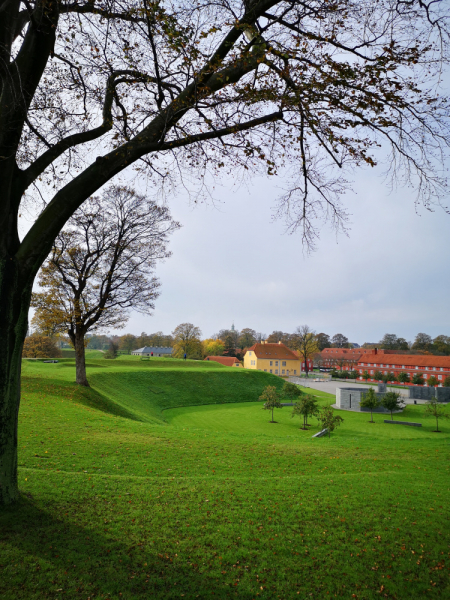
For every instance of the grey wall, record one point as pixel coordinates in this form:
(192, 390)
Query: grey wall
(426, 393)
(350, 398)
(442, 394)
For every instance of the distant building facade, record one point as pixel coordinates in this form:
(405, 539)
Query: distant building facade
(157, 351)
(273, 358)
(386, 361)
(227, 361)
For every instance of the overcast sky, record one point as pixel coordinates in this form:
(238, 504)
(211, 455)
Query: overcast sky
(232, 263)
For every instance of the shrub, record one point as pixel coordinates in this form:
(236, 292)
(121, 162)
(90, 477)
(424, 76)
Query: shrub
(432, 381)
(40, 346)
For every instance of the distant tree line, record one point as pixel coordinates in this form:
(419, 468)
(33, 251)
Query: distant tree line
(423, 344)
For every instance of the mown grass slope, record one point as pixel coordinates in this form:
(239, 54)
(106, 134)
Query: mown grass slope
(122, 500)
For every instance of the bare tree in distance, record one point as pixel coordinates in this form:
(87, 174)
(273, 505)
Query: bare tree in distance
(102, 265)
(179, 90)
(279, 336)
(186, 341)
(247, 338)
(305, 342)
(339, 341)
(323, 341)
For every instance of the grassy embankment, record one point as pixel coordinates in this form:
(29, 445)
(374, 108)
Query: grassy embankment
(124, 499)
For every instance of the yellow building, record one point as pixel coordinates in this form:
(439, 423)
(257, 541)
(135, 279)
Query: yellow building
(272, 358)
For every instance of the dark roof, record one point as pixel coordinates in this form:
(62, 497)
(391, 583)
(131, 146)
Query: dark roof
(154, 349)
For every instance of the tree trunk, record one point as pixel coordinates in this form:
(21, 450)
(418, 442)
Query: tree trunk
(15, 293)
(80, 359)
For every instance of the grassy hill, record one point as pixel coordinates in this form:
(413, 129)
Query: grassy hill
(127, 497)
(142, 390)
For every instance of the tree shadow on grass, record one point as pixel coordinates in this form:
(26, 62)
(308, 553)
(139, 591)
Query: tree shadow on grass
(44, 556)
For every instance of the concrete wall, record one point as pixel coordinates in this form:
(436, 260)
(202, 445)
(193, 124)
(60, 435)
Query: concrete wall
(442, 394)
(427, 393)
(421, 393)
(350, 398)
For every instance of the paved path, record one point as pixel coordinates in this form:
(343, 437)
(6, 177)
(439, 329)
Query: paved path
(330, 387)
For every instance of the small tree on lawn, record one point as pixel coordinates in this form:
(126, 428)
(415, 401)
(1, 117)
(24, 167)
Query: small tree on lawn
(328, 419)
(307, 405)
(435, 409)
(418, 379)
(271, 399)
(366, 375)
(291, 391)
(370, 400)
(403, 377)
(311, 407)
(446, 382)
(392, 401)
(432, 381)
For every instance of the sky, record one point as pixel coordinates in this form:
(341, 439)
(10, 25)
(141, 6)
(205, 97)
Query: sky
(232, 263)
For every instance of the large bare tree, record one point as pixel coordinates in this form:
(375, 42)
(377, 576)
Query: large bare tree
(181, 89)
(305, 342)
(101, 265)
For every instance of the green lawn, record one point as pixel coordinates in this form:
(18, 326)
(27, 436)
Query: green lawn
(166, 480)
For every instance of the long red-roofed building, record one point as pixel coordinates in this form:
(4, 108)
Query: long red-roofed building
(386, 361)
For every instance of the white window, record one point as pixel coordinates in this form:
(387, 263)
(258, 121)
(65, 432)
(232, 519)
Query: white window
(295, 372)
(271, 365)
(271, 370)
(265, 370)
(439, 376)
(283, 364)
(425, 376)
(276, 371)
(442, 369)
(371, 372)
(282, 372)
(249, 353)
(360, 370)
(276, 363)
(426, 368)
(403, 366)
(417, 368)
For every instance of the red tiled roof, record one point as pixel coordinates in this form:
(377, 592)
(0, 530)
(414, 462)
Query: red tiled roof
(228, 361)
(343, 354)
(409, 360)
(279, 351)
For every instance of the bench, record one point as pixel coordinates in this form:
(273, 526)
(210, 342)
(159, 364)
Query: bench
(403, 423)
